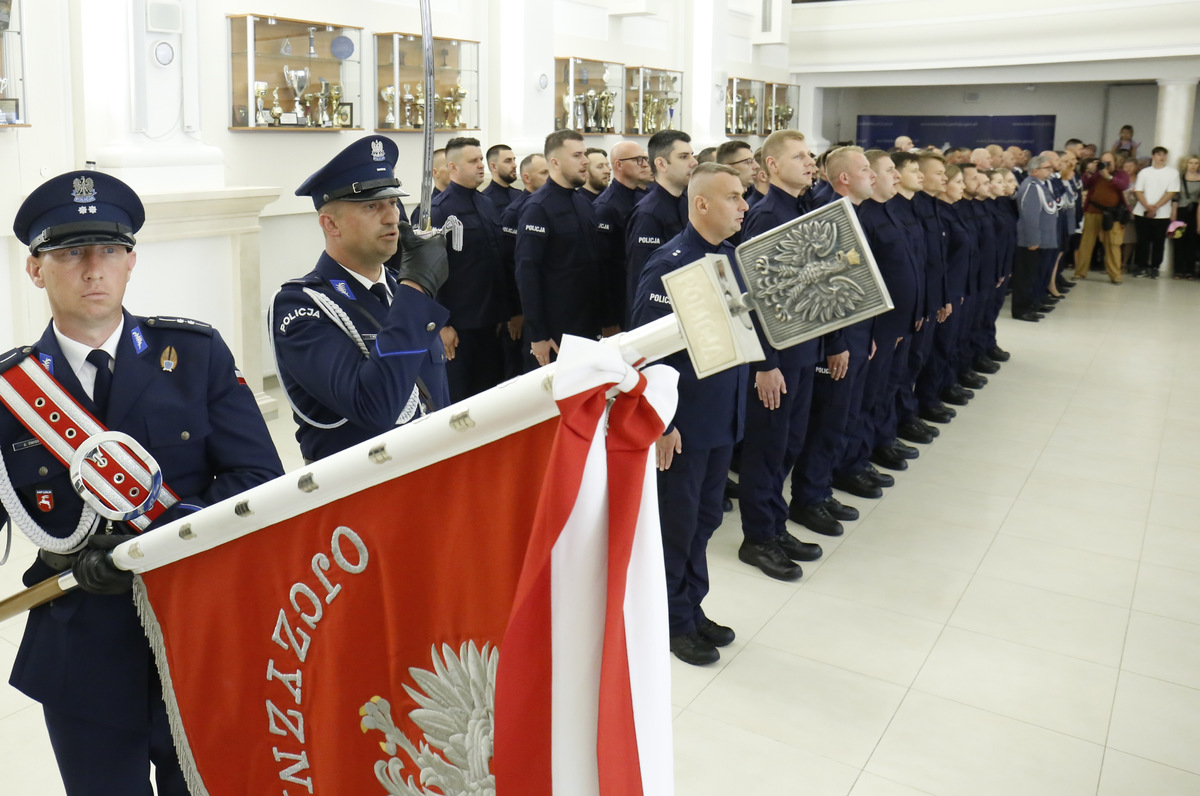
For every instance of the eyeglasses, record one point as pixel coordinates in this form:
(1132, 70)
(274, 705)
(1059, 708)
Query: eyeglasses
(641, 160)
(743, 162)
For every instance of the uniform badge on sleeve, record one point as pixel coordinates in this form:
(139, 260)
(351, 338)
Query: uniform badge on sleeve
(169, 359)
(45, 499)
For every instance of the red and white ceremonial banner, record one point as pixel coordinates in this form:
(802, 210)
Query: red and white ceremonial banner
(494, 622)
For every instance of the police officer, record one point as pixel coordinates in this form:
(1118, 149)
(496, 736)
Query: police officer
(935, 221)
(172, 385)
(475, 292)
(693, 455)
(534, 173)
(557, 263)
(663, 212)
(630, 176)
(502, 164)
(779, 389)
(358, 350)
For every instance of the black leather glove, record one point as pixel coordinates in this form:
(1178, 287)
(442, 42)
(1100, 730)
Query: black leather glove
(94, 569)
(423, 260)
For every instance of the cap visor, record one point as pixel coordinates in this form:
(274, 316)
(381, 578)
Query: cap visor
(379, 193)
(88, 239)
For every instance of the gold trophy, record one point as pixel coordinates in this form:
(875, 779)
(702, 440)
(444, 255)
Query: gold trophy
(276, 108)
(407, 99)
(419, 115)
(388, 95)
(261, 116)
(335, 99)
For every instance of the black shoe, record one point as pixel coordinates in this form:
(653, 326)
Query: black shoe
(1052, 299)
(817, 519)
(839, 510)
(971, 380)
(890, 458)
(731, 489)
(1153, 273)
(998, 354)
(768, 557)
(1046, 309)
(937, 414)
(878, 478)
(963, 391)
(717, 635)
(955, 395)
(984, 365)
(726, 505)
(860, 485)
(914, 432)
(931, 430)
(694, 649)
(1032, 317)
(907, 451)
(1139, 273)
(797, 550)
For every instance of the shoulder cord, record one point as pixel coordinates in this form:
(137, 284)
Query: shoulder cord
(343, 322)
(17, 515)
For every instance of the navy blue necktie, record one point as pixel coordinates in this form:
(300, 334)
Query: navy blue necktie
(379, 290)
(103, 387)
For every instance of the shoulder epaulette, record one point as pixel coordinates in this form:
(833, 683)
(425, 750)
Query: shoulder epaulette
(186, 324)
(308, 280)
(15, 357)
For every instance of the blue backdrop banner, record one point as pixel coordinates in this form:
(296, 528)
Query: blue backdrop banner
(1035, 133)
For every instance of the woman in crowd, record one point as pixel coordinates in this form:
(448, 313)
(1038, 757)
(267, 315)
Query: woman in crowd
(1129, 242)
(1184, 247)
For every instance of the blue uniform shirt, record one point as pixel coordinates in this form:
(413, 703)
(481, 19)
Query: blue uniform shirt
(353, 396)
(905, 282)
(711, 411)
(508, 246)
(500, 196)
(903, 211)
(931, 213)
(557, 265)
(475, 292)
(613, 209)
(656, 218)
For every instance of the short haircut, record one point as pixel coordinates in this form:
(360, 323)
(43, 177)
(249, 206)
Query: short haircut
(557, 139)
(1037, 162)
(1158, 149)
(758, 158)
(952, 171)
(455, 144)
(594, 150)
(1071, 141)
(527, 163)
(661, 144)
(493, 153)
(727, 152)
(705, 169)
(707, 155)
(954, 150)
(1128, 127)
(441, 151)
(821, 158)
(773, 146)
(874, 156)
(837, 161)
(902, 159)
(927, 157)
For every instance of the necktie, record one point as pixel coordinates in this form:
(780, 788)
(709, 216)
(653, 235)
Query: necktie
(380, 292)
(103, 387)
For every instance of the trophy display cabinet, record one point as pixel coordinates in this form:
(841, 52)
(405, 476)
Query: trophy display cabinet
(744, 101)
(12, 67)
(294, 75)
(588, 95)
(400, 83)
(652, 99)
(782, 100)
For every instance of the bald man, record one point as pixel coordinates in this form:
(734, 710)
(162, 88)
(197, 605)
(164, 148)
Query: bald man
(693, 455)
(903, 143)
(613, 207)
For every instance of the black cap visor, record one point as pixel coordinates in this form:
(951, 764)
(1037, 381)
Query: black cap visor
(371, 190)
(83, 233)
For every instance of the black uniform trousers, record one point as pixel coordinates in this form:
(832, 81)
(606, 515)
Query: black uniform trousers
(825, 442)
(919, 354)
(862, 426)
(478, 363)
(887, 409)
(689, 509)
(1151, 241)
(770, 446)
(1026, 268)
(939, 372)
(964, 354)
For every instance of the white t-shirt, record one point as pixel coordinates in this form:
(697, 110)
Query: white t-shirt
(1153, 183)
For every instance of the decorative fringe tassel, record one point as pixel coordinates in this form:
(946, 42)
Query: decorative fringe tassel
(183, 749)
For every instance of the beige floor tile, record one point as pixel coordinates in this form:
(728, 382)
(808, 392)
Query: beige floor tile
(1053, 691)
(1124, 774)
(26, 759)
(1062, 525)
(1172, 547)
(945, 747)
(872, 785)
(1158, 721)
(957, 507)
(850, 635)
(748, 762)
(921, 539)
(967, 473)
(822, 709)
(1088, 496)
(1078, 573)
(1178, 479)
(1178, 511)
(1105, 441)
(1170, 592)
(1162, 648)
(1044, 619)
(1095, 467)
(11, 700)
(897, 584)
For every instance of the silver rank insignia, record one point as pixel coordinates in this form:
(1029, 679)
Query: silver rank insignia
(377, 150)
(84, 190)
(169, 359)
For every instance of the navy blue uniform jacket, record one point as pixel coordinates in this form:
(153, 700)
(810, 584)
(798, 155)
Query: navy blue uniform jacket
(903, 275)
(475, 293)
(931, 214)
(613, 209)
(325, 373)
(961, 246)
(711, 411)
(558, 267)
(778, 207)
(86, 654)
(656, 218)
(500, 196)
(508, 247)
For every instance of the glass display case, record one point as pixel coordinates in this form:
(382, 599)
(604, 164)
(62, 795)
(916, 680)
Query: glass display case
(12, 63)
(588, 95)
(400, 83)
(744, 106)
(291, 74)
(652, 100)
(782, 99)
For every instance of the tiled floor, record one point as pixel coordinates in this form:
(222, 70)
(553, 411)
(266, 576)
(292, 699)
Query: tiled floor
(1020, 614)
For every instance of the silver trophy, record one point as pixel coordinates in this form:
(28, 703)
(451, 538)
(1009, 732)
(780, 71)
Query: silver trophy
(3, 85)
(407, 99)
(335, 100)
(276, 108)
(388, 95)
(323, 104)
(591, 104)
(312, 36)
(297, 81)
(260, 101)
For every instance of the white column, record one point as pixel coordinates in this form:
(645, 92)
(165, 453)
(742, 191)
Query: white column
(1173, 125)
(705, 80)
(521, 52)
(810, 115)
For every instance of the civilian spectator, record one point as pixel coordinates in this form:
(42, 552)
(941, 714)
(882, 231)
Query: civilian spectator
(1155, 189)
(1188, 202)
